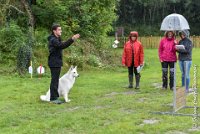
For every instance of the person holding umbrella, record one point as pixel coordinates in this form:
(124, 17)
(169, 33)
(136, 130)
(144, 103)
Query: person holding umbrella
(172, 22)
(185, 57)
(167, 56)
(133, 57)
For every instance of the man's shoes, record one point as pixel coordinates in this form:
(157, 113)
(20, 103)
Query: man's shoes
(57, 101)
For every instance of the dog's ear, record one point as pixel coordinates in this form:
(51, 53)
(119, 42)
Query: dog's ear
(71, 67)
(75, 67)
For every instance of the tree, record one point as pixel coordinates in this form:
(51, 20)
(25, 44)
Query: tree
(13, 34)
(93, 19)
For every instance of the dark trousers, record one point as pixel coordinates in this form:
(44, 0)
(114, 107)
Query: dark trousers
(55, 74)
(165, 66)
(132, 69)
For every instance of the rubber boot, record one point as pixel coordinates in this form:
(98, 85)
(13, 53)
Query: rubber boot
(137, 79)
(130, 81)
(164, 78)
(171, 78)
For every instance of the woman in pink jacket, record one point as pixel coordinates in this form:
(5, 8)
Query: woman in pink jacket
(167, 56)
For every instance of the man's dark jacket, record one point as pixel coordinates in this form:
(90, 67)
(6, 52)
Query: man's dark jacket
(55, 50)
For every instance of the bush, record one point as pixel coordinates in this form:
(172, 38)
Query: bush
(23, 58)
(41, 35)
(75, 60)
(94, 61)
(14, 49)
(11, 39)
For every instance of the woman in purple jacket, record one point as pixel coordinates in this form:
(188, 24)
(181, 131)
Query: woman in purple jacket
(167, 56)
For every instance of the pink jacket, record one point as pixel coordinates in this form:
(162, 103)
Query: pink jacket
(167, 51)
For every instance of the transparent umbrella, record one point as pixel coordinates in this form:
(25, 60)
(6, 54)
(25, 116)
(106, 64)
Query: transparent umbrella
(174, 22)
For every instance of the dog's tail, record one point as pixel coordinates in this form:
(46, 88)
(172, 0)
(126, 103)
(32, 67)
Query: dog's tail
(43, 98)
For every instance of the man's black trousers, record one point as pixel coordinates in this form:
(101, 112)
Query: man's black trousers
(55, 74)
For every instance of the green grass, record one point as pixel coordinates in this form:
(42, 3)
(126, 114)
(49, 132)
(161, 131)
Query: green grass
(99, 104)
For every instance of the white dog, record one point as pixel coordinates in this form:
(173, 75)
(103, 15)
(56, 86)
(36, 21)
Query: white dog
(66, 82)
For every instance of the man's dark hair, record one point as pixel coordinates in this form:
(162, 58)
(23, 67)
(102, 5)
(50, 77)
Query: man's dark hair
(54, 27)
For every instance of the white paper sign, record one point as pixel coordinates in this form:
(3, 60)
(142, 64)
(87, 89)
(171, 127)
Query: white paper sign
(40, 70)
(114, 46)
(180, 47)
(116, 42)
(139, 68)
(30, 70)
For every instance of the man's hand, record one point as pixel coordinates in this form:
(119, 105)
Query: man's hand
(76, 36)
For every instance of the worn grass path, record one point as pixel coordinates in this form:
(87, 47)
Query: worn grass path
(99, 104)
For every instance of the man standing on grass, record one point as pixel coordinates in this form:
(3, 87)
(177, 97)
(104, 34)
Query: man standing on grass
(55, 59)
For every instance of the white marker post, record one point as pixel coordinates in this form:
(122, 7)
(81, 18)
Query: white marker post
(40, 70)
(30, 70)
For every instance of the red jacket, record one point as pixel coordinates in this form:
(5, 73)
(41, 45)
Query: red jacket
(137, 51)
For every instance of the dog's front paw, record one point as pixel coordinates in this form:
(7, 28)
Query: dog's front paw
(67, 100)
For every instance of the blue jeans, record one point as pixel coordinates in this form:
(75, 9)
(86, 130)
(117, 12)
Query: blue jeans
(185, 70)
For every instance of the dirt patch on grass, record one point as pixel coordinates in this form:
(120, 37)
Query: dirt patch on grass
(107, 123)
(142, 99)
(73, 108)
(149, 121)
(112, 94)
(126, 111)
(101, 107)
(175, 132)
(129, 92)
(157, 85)
(120, 93)
(194, 129)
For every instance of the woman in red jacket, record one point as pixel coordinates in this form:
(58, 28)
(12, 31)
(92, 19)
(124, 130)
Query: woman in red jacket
(133, 56)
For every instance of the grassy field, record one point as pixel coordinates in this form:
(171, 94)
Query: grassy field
(100, 104)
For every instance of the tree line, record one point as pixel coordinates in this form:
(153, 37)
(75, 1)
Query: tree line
(91, 17)
(146, 15)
